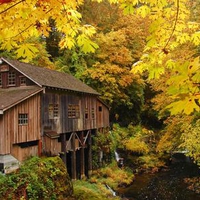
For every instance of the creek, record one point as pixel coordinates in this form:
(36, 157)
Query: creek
(167, 184)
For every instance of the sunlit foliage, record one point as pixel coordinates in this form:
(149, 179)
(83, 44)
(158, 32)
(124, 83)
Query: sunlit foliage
(170, 136)
(191, 141)
(21, 20)
(172, 26)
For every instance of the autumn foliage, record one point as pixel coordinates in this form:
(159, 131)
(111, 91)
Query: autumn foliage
(119, 48)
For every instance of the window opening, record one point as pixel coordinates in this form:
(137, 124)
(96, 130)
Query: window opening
(22, 80)
(53, 111)
(73, 111)
(100, 108)
(23, 119)
(93, 114)
(11, 78)
(86, 113)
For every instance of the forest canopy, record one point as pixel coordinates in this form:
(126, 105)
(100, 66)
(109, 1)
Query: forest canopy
(174, 26)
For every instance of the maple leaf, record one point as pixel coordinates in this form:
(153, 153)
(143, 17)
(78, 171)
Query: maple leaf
(86, 44)
(143, 11)
(31, 19)
(67, 43)
(128, 8)
(9, 45)
(156, 72)
(26, 50)
(186, 105)
(196, 38)
(170, 64)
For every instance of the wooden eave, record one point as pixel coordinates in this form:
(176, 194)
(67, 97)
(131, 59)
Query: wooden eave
(68, 90)
(99, 99)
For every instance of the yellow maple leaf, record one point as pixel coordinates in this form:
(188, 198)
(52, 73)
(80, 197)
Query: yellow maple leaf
(26, 50)
(143, 11)
(186, 105)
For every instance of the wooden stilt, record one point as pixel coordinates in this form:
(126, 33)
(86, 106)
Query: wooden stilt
(73, 161)
(82, 161)
(39, 147)
(63, 148)
(89, 154)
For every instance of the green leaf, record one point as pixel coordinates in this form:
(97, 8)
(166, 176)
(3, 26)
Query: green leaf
(155, 72)
(86, 44)
(8, 45)
(170, 64)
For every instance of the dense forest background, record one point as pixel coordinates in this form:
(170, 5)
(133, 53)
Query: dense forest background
(141, 56)
(162, 101)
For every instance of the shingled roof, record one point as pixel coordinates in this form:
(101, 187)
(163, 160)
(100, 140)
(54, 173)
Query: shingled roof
(50, 78)
(14, 95)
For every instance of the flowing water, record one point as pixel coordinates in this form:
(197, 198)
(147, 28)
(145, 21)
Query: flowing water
(165, 185)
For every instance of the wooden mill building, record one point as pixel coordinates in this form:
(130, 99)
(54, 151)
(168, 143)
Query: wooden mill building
(43, 111)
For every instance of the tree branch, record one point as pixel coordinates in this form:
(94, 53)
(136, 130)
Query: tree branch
(23, 30)
(11, 7)
(174, 28)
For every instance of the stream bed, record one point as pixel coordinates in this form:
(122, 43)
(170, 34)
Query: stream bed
(167, 184)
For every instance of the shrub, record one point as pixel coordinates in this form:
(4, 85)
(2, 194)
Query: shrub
(113, 176)
(38, 178)
(84, 190)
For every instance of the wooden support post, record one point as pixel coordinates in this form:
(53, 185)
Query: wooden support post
(82, 161)
(63, 148)
(39, 147)
(89, 154)
(73, 161)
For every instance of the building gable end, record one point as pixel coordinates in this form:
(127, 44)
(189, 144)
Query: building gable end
(10, 64)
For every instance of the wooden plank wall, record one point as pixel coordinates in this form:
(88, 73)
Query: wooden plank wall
(89, 103)
(15, 133)
(63, 124)
(52, 146)
(102, 115)
(23, 153)
(4, 147)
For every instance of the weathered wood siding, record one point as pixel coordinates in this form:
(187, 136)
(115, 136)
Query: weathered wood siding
(23, 153)
(85, 120)
(13, 133)
(102, 115)
(52, 146)
(4, 146)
